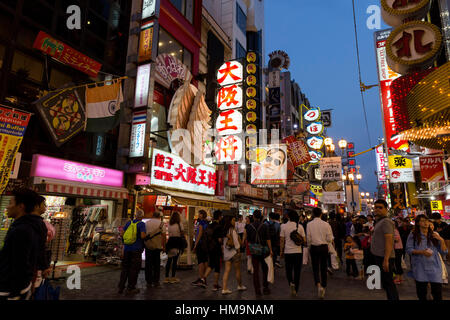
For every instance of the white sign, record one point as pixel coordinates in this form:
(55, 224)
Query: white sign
(315, 142)
(274, 79)
(229, 122)
(230, 72)
(271, 165)
(315, 156)
(228, 149)
(142, 84)
(400, 169)
(333, 197)
(171, 171)
(137, 139)
(317, 174)
(148, 8)
(16, 166)
(230, 97)
(381, 163)
(315, 128)
(312, 115)
(331, 168)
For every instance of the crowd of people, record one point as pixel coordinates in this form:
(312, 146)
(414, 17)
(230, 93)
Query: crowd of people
(228, 242)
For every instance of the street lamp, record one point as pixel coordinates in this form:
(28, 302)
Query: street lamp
(349, 177)
(367, 194)
(332, 147)
(328, 142)
(342, 144)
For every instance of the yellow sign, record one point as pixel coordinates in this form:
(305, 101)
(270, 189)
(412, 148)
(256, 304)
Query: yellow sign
(399, 162)
(436, 205)
(317, 190)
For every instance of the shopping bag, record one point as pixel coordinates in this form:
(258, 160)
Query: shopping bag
(334, 261)
(305, 256)
(270, 273)
(444, 270)
(404, 266)
(163, 257)
(46, 292)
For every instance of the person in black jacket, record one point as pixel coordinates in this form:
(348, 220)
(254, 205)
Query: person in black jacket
(19, 256)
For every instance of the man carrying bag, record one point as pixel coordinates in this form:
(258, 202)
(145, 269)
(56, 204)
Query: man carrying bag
(154, 243)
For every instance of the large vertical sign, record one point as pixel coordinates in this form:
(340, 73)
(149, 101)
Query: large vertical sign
(381, 164)
(314, 127)
(137, 139)
(252, 102)
(432, 169)
(142, 86)
(13, 124)
(146, 41)
(386, 76)
(229, 123)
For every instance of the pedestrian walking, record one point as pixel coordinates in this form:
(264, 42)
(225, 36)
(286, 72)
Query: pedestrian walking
(274, 234)
(201, 249)
(319, 236)
(214, 237)
(155, 242)
(133, 236)
(174, 247)
(398, 248)
(260, 247)
(382, 248)
(292, 252)
(248, 220)
(358, 255)
(350, 262)
(20, 255)
(231, 254)
(424, 247)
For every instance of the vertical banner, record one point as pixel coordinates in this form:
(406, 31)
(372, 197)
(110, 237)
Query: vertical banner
(252, 103)
(137, 139)
(398, 196)
(297, 150)
(220, 187)
(233, 175)
(13, 124)
(432, 169)
(142, 86)
(146, 41)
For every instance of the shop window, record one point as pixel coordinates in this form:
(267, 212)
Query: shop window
(158, 123)
(27, 64)
(2, 55)
(58, 78)
(186, 7)
(240, 51)
(241, 19)
(167, 44)
(38, 12)
(187, 59)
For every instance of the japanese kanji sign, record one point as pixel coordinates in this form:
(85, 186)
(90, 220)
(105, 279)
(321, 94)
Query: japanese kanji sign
(146, 41)
(432, 169)
(297, 150)
(171, 171)
(315, 156)
(312, 115)
(436, 205)
(401, 169)
(331, 168)
(381, 163)
(229, 122)
(229, 73)
(315, 143)
(315, 128)
(228, 148)
(395, 12)
(229, 97)
(66, 54)
(252, 96)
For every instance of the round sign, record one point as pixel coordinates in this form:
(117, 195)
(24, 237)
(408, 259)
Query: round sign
(315, 128)
(394, 12)
(251, 68)
(251, 142)
(251, 129)
(251, 155)
(315, 142)
(251, 80)
(251, 116)
(312, 115)
(251, 57)
(251, 92)
(415, 45)
(251, 104)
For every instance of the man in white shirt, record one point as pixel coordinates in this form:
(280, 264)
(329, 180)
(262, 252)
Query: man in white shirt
(154, 245)
(319, 236)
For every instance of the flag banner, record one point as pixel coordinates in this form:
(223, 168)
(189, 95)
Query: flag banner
(13, 124)
(63, 113)
(103, 106)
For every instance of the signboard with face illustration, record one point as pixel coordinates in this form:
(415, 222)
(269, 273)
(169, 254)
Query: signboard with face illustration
(270, 168)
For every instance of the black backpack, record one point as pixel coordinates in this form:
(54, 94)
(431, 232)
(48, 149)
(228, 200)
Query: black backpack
(211, 243)
(296, 237)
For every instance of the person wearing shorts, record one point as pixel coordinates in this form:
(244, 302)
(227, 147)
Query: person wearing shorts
(201, 249)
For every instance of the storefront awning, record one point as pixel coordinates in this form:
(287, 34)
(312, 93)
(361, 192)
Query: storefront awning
(195, 200)
(259, 203)
(81, 190)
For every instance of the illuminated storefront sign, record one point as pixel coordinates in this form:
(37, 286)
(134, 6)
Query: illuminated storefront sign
(229, 122)
(48, 167)
(146, 41)
(400, 169)
(315, 143)
(142, 82)
(148, 8)
(381, 163)
(315, 128)
(312, 115)
(228, 148)
(229, 73)
(229, 97)
(171, 171)
(137, 139)
(394, 12)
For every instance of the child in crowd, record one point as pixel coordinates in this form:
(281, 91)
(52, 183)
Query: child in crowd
(350, 257)
(358, 255)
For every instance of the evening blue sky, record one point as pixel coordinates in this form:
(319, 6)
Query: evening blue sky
(319, 38)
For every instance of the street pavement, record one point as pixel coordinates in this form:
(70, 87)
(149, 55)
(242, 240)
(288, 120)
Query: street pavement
(100, 283)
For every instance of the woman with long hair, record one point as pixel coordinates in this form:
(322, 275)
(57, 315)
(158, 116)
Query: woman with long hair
(231, 254)
(424, 246)
(174, 246)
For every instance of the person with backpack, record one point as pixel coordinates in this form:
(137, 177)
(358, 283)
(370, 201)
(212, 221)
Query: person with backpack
(231, 254)
(260, 247)
(133, 239)
(274, 234)
(175, 246)
(201, 248)
(154, 243)
(292, 238)
(214, 238)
